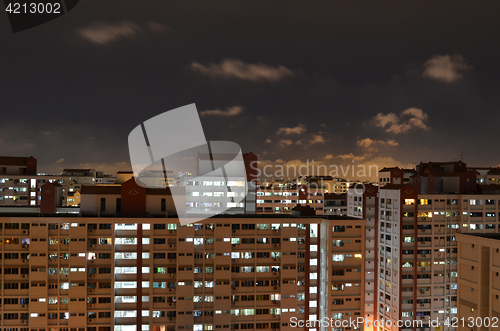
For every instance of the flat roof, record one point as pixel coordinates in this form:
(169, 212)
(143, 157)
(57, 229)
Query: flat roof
(100, 190)
(495, 236)
(13, 160)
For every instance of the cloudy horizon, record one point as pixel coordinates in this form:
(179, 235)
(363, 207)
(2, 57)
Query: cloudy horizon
(336, 83)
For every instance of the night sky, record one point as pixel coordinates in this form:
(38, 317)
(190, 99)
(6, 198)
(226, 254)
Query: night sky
(390, 83)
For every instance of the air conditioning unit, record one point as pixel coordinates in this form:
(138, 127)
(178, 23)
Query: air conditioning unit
(275, 288)
(91, 305)
(235, 231)
(92, 275)
(172, 231)
(25, 231)
(234, 260)
(275, 273)
(25, 246)
(24, 261)
(23, 306)
(24, 321)
(171, 275)
(276, 231)
(92, 246)
(275, 301)
(92, 261)
(172, 260)
(24, 275)
(233, 288)
(275, 259)
(235, 303)
(275, 316)
(91, 230)
(91, 320)
(172, 246)
(171, 304)
(91, 290)
(277, 245)
(170, 289)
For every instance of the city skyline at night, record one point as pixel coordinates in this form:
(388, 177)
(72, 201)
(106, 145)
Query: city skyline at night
(249, 165)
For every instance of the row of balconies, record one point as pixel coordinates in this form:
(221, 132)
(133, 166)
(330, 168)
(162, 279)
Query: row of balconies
(14, 232)
(208, 233)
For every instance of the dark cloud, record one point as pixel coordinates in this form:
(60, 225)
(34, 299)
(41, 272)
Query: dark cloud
(74, 88)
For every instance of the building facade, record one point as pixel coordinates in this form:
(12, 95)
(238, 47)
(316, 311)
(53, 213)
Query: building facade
(478, 281)
(417, 224)
(79, 273)
(282, 201)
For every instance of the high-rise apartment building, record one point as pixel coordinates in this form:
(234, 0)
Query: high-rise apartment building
(335, 204)
(417, 224)
(79, 273)
(362, 200)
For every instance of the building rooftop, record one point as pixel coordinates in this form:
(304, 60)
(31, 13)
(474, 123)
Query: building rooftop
(494, 171)
(13, 160)
(117, 189)
(495, 236)
(393, 186)
(389, 169)
(446, 174)
(76, 170)
(97, 189)
(333, 196)
(490, 187)
(34, 211)
(216, 157)
(316, 177)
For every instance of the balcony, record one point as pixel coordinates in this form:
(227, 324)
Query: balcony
(423, 306)
(425, 281)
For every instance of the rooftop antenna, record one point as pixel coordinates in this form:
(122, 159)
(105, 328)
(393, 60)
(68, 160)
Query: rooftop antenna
(461, 156)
